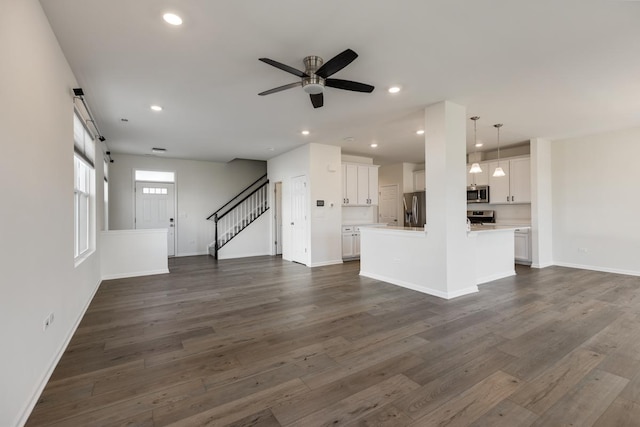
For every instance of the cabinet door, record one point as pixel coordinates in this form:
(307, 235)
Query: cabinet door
(363, 185)
(350, 184)
(356, 244)
(522, 252)
(499, 186)
(373, 186)
(347, 245)
(470, 177)
(482, 178)
(520, 180)
(419, 183)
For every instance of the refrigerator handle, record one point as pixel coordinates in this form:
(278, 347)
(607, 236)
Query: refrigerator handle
(415, 210)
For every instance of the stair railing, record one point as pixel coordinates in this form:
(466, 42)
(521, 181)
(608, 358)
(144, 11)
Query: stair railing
(238, 216)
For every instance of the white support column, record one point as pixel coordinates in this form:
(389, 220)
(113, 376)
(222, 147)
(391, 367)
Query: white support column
(445, 165)
(541, 204)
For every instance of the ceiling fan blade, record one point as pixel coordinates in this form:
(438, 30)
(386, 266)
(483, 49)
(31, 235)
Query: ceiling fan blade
(336, 63)
(349, 85)
(280, 88)
(284, 67)
(317, 100)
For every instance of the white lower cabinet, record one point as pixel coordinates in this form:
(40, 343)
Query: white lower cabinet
(522, 238)
(350, 242)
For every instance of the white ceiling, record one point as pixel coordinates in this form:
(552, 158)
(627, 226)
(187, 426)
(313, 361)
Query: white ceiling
(543, 68)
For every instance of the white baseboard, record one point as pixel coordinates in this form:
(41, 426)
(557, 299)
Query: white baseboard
(56, 358)
(543, 265)
(323, 263)
(135, 274)
(496, 276)
(598, 268)
(422, 289)
(221, 255)
(192, 254)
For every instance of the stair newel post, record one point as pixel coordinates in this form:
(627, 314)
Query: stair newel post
(215, 247)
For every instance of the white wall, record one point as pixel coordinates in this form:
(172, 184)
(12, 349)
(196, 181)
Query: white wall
(321, 164)
(541, 204)
(253, 241)
(130, 253)
(326, 184)
(36, 172)
(202, 187)
(595, 202)
(281, 169)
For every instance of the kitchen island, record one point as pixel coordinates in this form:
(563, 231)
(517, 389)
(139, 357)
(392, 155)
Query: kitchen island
(406, 257)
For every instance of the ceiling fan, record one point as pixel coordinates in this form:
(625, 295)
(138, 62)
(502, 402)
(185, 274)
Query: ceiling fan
(316, 76)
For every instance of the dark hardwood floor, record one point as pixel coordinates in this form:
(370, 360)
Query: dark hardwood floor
(262, 342)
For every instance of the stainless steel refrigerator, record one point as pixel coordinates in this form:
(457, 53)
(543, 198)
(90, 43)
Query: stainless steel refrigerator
(415, 207)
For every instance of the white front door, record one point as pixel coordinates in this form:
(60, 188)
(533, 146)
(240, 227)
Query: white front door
(299, 219)
(389, 204)
(155, 208)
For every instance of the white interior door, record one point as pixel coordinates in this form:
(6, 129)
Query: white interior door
(389, 204)
(299, 219)
(277, 217)
(155, 208)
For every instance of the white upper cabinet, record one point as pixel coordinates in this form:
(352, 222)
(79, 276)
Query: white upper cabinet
(515, 186)
(481, 178)
(359, 184)
(520, 181)
(349, 184)
(419, 181)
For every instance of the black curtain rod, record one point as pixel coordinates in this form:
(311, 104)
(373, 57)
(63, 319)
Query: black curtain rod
(79, 94)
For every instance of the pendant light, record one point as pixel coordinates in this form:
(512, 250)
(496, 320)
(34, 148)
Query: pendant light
(498, 172)
(475, 167)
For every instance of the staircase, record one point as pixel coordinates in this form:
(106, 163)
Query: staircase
(238, 213)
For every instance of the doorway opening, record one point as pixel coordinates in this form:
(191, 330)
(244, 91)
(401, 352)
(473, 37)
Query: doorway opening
(155, 204)
(277, 217)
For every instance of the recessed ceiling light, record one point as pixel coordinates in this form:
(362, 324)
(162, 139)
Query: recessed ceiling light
(394, 89)
(479, 144)
(349, 139)
(172, 18)
(374, 145)
(420, 132)
(270, 148)
(305, 132)
(156, 108)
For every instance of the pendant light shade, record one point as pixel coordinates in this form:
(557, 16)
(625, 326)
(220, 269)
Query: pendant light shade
(475, 168)
(498, 172)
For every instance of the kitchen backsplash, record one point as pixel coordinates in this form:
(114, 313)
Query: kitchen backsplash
(505, 212)
(364, 214)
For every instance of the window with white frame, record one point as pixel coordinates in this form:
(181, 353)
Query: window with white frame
(84, 189)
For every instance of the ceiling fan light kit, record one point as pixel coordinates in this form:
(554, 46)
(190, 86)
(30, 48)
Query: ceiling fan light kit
(316, 76)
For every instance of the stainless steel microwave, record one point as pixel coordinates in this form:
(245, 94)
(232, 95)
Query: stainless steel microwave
(478, 194)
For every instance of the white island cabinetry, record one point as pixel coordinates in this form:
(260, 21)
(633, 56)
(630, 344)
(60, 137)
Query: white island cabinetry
(405, 256)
